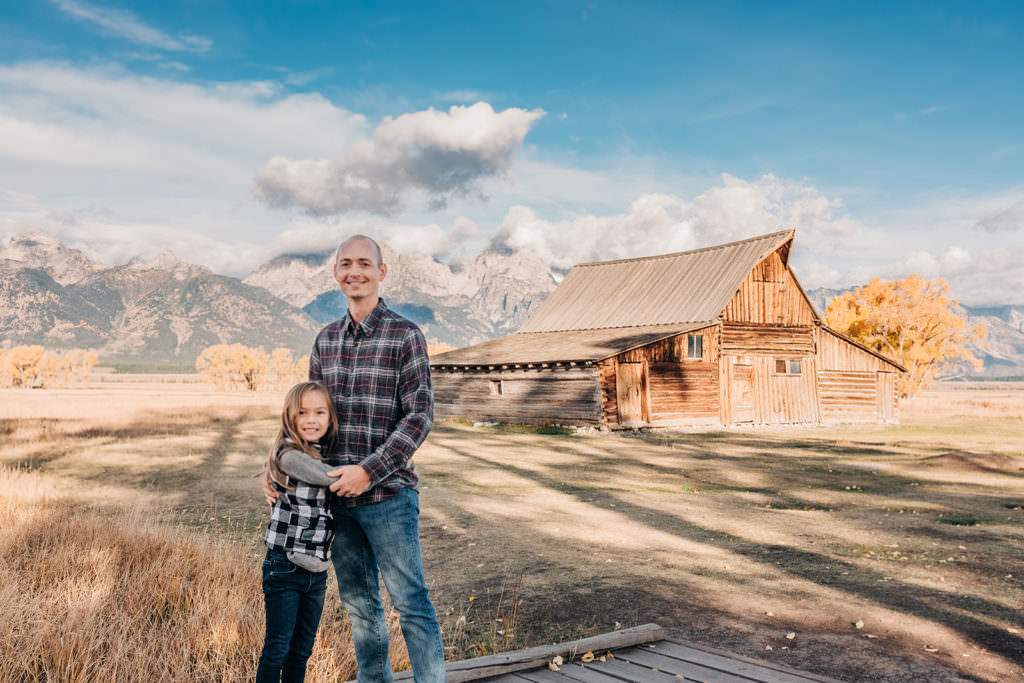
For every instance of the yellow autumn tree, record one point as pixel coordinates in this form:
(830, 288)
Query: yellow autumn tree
(35, 367)
(21, 365)
(233, 366)
(236, 366)
(911, 321)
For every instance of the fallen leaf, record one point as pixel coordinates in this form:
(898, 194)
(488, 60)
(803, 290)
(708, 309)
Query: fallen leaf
(472, 598)
(587, 657)
(870, 635)
(768, 647)
(791, 635)
(859, 624)
(558, 660)
(929, 648)
(553, 666)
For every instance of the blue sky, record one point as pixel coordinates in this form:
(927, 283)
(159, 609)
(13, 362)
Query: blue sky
(888, 134)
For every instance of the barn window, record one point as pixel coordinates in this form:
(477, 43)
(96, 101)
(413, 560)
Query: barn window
(787, 367)
(496, 388)
(694, 346)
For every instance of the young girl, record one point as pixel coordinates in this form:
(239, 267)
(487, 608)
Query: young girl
(299, 534)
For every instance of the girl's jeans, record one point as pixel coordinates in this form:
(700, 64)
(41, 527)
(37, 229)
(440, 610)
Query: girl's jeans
(386, 536)
(294, 599)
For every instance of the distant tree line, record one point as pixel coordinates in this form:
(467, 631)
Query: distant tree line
(236, 367)
(33, 367)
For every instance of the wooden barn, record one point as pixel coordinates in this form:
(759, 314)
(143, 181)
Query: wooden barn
(718, 336)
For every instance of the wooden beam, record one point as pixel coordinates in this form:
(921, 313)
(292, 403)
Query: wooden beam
(506, 662)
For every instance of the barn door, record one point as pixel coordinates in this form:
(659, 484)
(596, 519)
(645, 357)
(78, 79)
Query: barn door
(742, 393)
(631, 393)
(884, 394)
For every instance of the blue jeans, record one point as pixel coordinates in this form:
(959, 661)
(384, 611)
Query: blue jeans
(294, 599)
(386, 536)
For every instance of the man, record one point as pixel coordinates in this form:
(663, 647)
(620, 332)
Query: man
(374, 363)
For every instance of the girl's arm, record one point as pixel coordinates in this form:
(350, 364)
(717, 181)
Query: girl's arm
(298, 465)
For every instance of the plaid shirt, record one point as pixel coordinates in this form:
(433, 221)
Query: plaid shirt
(300, 520)
(378, 376)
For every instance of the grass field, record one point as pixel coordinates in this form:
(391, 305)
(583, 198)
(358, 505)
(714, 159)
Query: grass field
(887, 553)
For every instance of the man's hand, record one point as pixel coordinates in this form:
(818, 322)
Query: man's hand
(269, 492)
(352, 481)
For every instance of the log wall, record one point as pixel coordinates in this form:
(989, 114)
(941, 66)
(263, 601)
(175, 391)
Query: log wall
(770, 296)
(529, 396)
(683, 391)
(848, 396)
(744, 339)
(609, 400)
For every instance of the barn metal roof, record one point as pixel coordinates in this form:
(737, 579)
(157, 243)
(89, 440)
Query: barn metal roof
(526, 348)
(684, 287)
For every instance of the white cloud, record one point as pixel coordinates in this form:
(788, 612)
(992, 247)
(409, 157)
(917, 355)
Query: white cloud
(1003, 219)
(152, 138)
(660, 223)
(992, 277)
(441, 153)
(130, 27)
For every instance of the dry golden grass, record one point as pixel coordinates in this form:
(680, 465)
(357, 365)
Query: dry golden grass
(991, 399)
(88, 597)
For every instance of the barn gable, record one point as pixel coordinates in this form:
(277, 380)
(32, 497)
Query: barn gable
(771, 295)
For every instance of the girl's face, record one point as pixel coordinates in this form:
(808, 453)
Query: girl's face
(314, 416)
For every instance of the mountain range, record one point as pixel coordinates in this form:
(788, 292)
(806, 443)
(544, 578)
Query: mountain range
(164, 310)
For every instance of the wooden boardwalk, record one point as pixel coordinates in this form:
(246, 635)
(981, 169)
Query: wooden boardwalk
(643, 655)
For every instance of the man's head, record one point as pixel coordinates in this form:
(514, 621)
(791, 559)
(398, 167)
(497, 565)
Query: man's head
(359, 268)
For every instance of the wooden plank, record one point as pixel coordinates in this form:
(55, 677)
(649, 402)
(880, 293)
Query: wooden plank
(634, 672)
(567, 674)
(651, 657)
(688, 649)
(535, 657)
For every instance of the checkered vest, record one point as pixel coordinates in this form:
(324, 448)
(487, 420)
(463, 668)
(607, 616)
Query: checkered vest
(301, 520)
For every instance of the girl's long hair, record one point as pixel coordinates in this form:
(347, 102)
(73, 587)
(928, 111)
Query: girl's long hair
(289, 437)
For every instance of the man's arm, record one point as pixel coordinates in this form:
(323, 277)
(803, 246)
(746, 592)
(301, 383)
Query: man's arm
(416, 399)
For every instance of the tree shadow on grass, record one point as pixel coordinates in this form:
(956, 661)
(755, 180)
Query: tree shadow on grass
(962, 613)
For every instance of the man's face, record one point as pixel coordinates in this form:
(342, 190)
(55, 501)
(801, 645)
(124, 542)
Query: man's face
(357, 271)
